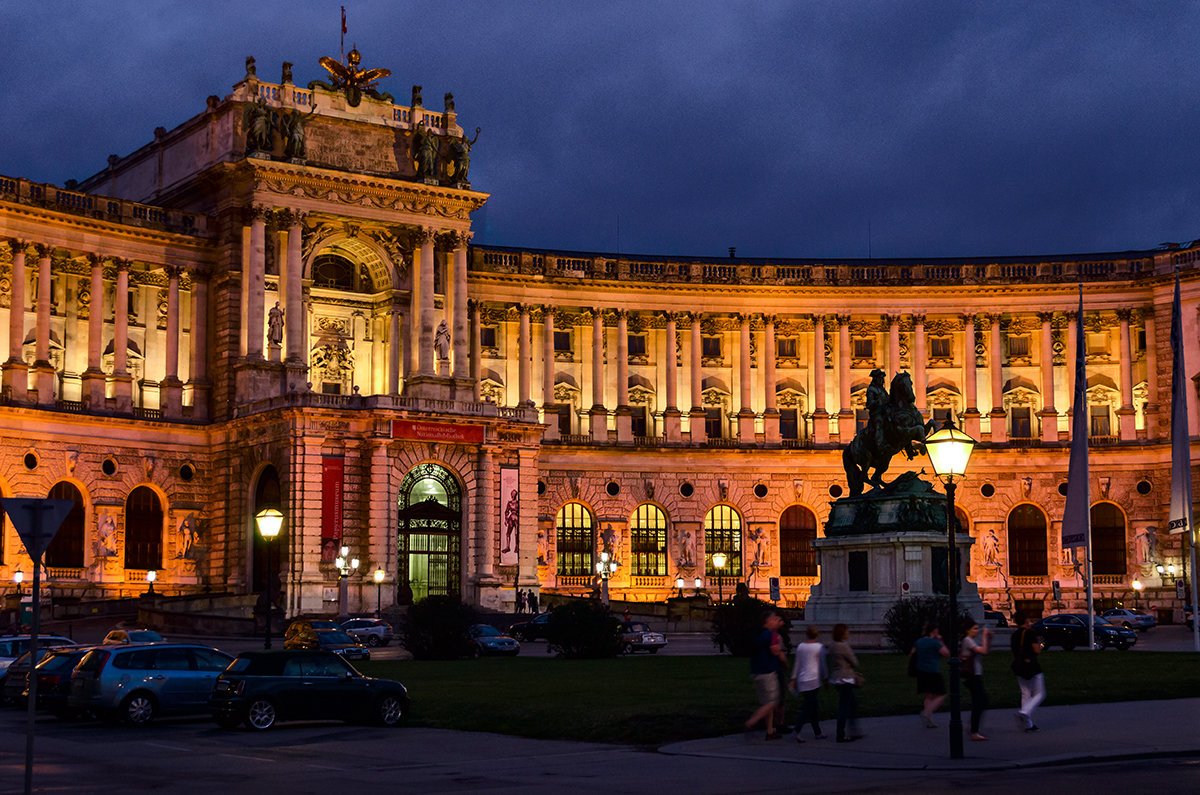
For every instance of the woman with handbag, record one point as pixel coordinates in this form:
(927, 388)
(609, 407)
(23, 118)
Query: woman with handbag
(844, 674)
(972, 653)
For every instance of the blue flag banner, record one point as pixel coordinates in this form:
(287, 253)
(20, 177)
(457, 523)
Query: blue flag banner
(1077, 516)
(1179, 520)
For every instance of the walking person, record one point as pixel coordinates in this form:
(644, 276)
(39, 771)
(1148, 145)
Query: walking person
(765, 659)
(843, 673)
(973, 652)
(533, 602)
(520, 601)
(808, 672)
(929, 651)
(1026, 646)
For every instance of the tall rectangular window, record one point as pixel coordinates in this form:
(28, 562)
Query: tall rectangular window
(637, 344)
(939, 348)
(712, 423)
(562, 342)
(1099, 424)
(788, 427)
(785, 347)
(864, 348)
(1018, 346)
(564, 419)
(638, 420)
(1022, 423)
(487, 336)
(710, 347)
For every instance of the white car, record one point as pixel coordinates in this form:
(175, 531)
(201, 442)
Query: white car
(1130, 619)
(14, 646)
(370, 631)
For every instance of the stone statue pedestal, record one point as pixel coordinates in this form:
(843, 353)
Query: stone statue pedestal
(273, 353)
(876, 543)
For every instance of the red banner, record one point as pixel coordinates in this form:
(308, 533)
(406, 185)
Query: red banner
(333, 471)
(437, 432)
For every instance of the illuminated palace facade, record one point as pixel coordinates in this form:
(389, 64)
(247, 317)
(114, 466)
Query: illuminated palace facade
(277, 304)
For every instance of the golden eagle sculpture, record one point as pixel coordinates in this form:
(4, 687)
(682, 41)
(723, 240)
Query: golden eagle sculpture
(352, 80)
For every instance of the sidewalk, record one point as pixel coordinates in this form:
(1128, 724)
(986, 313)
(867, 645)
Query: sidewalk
(1068, 735)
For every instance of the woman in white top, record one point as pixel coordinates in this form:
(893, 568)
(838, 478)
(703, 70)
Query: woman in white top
(808, 673)
(972, 656)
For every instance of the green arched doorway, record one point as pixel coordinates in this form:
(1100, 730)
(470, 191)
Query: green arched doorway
(429, 534)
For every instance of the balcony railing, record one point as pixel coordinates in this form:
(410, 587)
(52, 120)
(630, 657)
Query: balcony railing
(1028, 580)
(1108, 579)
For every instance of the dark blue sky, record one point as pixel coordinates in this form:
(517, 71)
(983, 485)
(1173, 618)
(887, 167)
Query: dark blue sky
(787, 129)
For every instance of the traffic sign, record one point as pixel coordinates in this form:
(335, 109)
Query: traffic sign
(774, 583)
(36, 520)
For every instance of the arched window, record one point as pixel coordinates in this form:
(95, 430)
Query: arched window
(143, 529)
(330, 270)
(66, 549)
(1026, 542)
(797, 531)
(648, 541)
(429, 541)
(723, 533)
(573, 529)
(1108, 539)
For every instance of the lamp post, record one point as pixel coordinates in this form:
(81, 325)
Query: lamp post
(679, 585)
(719, 560)
(269, 521)
(151, 576)
(606, 567)
(1137, 591)
(18, 578)
(345, 566)
(949, 451)
(378, 592)
(697, 584)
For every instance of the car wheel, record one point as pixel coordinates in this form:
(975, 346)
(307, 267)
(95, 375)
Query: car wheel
(391, 711)
(261, 715)
(228, 721)
(627, 649)
(372, 640)
(138, 708)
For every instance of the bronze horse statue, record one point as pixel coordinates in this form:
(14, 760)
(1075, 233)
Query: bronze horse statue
(898, 427)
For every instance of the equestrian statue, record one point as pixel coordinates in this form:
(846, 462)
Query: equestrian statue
(894, 426)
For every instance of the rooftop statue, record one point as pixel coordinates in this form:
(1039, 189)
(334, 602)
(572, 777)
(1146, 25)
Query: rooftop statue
(352, 80)
(259, 124)
(895, 426)
(424, 151)
(459, 167)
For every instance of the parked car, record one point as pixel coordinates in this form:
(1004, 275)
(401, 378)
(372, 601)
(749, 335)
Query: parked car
(261, 688)
(53, 674)
(12, 683)
(13, 647)
(533, 629)
(487, 640)
(132, 636)
(334, 640)
(637, 636)
(141, 681)
(371, 631)
(306, 626)
(994, 616)
(1130, 619)
(1069, 630)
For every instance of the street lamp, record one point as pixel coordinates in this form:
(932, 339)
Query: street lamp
(719, 561)
(1137, 591)
(345, 566)
(679, 585)
(698, 584)
(379, 575)
(949, 451)
(18, 578)
(606, 568)
(151, 576)
(269, 521)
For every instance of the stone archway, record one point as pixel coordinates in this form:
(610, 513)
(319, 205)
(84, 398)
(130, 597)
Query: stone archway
(429, 534)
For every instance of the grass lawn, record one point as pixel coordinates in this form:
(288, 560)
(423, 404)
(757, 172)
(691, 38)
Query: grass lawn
(650, 700)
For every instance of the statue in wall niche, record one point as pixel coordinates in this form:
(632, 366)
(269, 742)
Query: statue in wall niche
(275, 325)
(541, 547)
(257, 121)
(895, 426)
(991, 549)
(1147, 546)
(441, 342)
(106, 537)
(759, 539)
(459, 167)
(687, 549)
(187, 537)
(425, 152)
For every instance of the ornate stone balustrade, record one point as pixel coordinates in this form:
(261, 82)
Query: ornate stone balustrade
(38, 194)
(394, 402)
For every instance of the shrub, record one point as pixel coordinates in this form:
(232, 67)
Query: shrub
(583, 628)
(905, 620)
(736, 624)
(437, 628)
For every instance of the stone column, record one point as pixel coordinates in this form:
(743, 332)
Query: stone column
(1151, 408)
(394, 350)
(745, 407)
(820, 416)
(549, 406)
(473, 310)
(996, 352)
(1048, 414)
(462, 370)
(893, 322)
(770, 412)
(672, 424)
(424, 254)
(93, 377)
(920, 358)
(485, 510)
(294, 320)
(698, 432)
(256, 297)
(16, 371)
(199, 340)
(599, 414)
(1126, 415)
(970, 378)
(121, 378)
(524, 356)
(173, 405)
(846, 424)
(623, 414)
(43, 369)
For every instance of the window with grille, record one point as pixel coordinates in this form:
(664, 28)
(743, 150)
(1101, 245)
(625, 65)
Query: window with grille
(487, 336)
(638, 420)
(710, 347)
(864, 348)
(1099, 421)
(939, 348)
(1026, 542)
(562, 342)
(789, 428)
(648, 541)
(1022, 423)
(712, 423)
(143, 530)
(1108, 539)
(797, 531)
(637, 344)
(1018, 346)
(723, 533)
(575, 540)
(785, 347)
